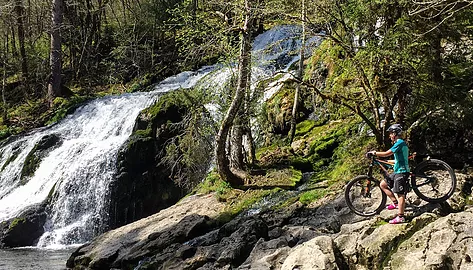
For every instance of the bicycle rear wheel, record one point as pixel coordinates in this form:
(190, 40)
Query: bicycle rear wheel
(364, 196)
(434, 181)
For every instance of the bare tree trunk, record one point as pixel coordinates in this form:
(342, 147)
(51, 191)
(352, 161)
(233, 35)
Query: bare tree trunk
(236, 145)
(237, 178)
(292, 131)
(21, 36)
(55, 58)
(247, 125)
(4, 83)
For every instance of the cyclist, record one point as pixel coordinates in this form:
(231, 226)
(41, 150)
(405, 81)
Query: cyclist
(397, 181)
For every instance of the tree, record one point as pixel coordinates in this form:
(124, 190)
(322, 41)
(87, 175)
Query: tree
(55, 59)
(235, 177)
(300, 70)
(21, 36)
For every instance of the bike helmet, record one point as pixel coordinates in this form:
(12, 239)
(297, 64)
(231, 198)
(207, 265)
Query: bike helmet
(395, 128)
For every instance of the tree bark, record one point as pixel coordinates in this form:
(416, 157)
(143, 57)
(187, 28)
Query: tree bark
(19, 8)
(292, 131)
(4, 83)
(235, 178)
(236, 145)
(55, 58)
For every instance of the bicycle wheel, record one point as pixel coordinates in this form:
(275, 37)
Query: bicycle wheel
(434, 181)
(364, 196)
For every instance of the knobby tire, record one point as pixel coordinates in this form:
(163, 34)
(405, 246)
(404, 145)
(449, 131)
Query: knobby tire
(434, 181)
(359, 201)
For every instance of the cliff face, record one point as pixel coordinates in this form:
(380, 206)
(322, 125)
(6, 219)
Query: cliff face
(324, 235)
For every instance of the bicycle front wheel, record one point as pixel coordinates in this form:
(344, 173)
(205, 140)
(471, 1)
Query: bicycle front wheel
(434, 181)
(364, 196)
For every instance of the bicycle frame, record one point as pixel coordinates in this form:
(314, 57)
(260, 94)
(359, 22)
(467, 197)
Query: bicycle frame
(382, 165)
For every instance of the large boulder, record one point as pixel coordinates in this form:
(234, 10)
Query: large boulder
(23, 230)
(136, 241)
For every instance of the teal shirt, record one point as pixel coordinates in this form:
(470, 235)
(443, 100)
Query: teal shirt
(401, 155)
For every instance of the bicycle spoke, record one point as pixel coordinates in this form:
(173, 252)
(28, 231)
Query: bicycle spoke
(364, 196)
(434, 181)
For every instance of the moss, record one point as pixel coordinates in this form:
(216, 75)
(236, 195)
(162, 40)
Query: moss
(144, 132)
(306, 126)
(15, 223)
(64, 106)
(301, 163)
(51, 193)
(312, 195)
(239, 201)
(213, 183)
(287, 177)
(30, 165)
(380, 222)
(10, 159)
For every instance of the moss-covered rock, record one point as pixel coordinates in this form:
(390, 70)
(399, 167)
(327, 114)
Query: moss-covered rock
(34, 157)
(146, 180)
(25, 229)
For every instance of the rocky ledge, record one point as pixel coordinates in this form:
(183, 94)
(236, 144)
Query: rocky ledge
(324, 235)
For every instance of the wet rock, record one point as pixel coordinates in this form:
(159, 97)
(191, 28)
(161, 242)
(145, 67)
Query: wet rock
(34, 157)
(23, 230)
(131, 243)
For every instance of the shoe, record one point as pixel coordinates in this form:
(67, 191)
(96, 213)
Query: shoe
(397, 220)
(392, 206)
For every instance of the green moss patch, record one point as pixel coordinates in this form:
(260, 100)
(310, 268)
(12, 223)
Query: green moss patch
(16, 222)
(312, 195)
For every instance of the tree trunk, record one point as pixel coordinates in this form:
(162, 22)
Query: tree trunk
(21, 36)
(55, 58)
(4, 82)
(236, 145)
(292, 131)
(235, 179)
(251, 159)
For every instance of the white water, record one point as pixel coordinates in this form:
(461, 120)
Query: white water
(82, 167)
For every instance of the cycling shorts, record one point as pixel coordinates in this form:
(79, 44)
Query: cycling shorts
(399, 182)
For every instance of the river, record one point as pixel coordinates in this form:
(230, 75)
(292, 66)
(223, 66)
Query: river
(34, 258)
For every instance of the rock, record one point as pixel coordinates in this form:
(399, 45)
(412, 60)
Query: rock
(446, 243)
(312, 255)
(130, 243)
(23, 230)
(34, 157)
(369, 244)
(147, 181)
(267, 255)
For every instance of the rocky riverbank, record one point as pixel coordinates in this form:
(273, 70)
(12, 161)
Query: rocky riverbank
(323, 235)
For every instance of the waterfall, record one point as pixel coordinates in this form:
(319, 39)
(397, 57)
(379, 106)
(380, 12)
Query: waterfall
(75, 174)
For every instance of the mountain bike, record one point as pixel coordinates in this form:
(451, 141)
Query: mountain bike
(432, 180)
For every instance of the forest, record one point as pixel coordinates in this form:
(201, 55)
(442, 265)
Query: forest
(384, 61)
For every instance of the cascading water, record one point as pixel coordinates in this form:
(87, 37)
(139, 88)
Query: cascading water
(75, 175)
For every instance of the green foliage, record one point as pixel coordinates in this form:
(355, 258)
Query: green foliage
(182, 116)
